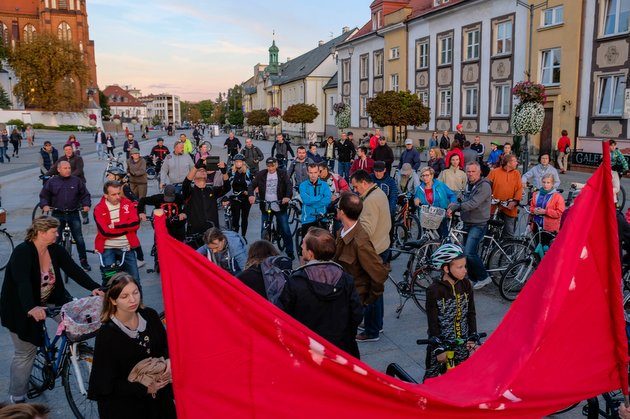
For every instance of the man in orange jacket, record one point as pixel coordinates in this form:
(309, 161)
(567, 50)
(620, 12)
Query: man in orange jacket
(507, 186)
(117, 222)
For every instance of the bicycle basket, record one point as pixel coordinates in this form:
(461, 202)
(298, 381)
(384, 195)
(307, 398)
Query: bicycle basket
(81, 318)
(431, 217)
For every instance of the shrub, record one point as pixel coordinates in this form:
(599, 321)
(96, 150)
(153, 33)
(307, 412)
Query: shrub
(17, 122)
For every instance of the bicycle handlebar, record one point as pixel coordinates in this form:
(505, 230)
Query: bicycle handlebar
(437, 341)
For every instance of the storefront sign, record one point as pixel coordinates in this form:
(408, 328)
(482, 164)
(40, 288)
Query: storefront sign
(589, 159)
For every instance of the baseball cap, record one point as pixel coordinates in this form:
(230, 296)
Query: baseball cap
(134, 151)
(379, 166)
(459, 126)
(408, 141)
(495, 143)
(271, 160)
(169, 193)
(349, 133)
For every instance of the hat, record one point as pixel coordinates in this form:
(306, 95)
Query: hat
(169, 193)
(160, 139)
(349, 133)
(406, 169)
(459, 127)
(134, 151)
(495, 143)
(408, 141)
(238, 156)
(271, 160)
(379, 166)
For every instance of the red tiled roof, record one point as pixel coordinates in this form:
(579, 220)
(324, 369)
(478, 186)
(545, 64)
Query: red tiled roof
(119, 92)
(366, 29)
(426, 6)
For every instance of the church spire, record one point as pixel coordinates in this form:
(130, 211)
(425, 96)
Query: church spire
(273, 57)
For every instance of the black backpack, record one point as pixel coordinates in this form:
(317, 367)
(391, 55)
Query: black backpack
(275, 272)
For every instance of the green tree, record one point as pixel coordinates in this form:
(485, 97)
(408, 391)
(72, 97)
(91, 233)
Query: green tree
(397, 109)
(156, 120)
(52, 73)
(300, 113)
(205, 108)
(103, 100)
(5, 100)
(236, 117)
(258, 118)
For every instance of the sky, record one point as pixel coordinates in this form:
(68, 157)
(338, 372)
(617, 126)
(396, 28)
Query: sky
(196, 49)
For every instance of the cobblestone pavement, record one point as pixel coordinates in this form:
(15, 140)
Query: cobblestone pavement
(20, 189)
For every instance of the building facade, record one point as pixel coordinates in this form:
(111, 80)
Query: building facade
(164, 106)
(20, 20)
(124, 104)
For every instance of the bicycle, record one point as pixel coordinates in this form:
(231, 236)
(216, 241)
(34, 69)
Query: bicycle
(66, 240)
(294, 212)
(450, 347)
(72, 361)
(270, 231)
(6, 242)
(418, 275)
(406, 224)
(226, 202)
(113, 162)
(107, 272)
(325, 221)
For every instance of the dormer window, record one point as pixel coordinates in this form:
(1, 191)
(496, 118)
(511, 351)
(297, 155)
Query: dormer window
(377, 21)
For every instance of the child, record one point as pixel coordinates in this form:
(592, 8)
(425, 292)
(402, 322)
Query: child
(495, 155)
(450, 310)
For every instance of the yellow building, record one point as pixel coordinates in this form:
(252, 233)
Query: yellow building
(555, 63)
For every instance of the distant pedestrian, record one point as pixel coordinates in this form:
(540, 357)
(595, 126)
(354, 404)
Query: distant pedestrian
(75, 144)
(30, 136)
(110, 144)
(4, 146)
(137, 170)
(100, 140)
(564, 148)
(16, 142)
(253, 156)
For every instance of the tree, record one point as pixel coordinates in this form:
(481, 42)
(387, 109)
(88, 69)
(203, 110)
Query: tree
(300, 113)
(397, 109)
(5, 100)
(52, 73)
(195, 115)
(205, 108)
(258, 118)
(103, 100)
(156, 120)
(236, 117)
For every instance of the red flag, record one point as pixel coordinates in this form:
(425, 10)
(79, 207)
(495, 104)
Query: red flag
(563, 340)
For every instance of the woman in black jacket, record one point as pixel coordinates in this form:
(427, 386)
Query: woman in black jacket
(16, 142)
(240, 178)
(130, 333)
(33, 281)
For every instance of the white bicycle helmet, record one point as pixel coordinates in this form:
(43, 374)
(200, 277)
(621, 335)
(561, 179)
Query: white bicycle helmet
(445, 254)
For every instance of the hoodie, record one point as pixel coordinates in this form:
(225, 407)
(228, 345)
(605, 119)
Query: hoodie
(322, 297)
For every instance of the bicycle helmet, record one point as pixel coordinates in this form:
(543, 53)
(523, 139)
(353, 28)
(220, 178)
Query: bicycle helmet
(117, 171)
(445, 254)
(238, 156)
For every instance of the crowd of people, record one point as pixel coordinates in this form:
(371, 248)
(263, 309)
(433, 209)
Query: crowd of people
(337, 291)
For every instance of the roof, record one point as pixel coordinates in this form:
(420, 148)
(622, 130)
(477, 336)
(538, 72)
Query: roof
(300, 67)
(120, 97)
(332, 83)
(429, 8)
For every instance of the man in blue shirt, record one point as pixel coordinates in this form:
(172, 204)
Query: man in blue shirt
(387, 184)
(316, 196)
(410, 155)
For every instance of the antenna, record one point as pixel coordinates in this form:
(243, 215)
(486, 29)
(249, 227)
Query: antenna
(332, 35)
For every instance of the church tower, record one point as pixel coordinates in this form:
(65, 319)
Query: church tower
(273, 67)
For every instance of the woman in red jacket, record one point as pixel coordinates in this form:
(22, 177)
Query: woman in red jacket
(456, 148)
(547, 206)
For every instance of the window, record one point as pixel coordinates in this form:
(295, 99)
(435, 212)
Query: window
(501, 100)
(363, 107)
(394, 53)
(422, 54)
(552, 16)
(331, 99)
(424, 96)
(364, 66)
(64, 32)
(503, 37)
(376, 20)
(616, 17)
(446, 50)
(611, 95)
(378, 64)
(4, 34)
(550, 71)
(345, 70)
(470, 101)
(444, 104)
(63, 4)
(472, 44)
(393, 82)
(29, 32)
(438, 2)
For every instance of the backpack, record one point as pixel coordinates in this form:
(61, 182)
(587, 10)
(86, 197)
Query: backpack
(275, 272)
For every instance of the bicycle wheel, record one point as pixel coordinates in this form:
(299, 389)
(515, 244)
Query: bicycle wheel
(42, 377)
(37, 212)
(399, 237)
(277, 238)
(515, 276)
(151, 174)
(422, 278)
(81, 406)
(621, 198)
(67, 244)
(6, 248)
(505, 252)
(412, 224)
(298, 243)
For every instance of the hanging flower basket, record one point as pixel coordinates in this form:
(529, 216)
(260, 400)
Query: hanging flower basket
(92, 122)
(274, 112)
(116, 119)
(527, 91)
(342, 118)
(528, 118)
(274, 120)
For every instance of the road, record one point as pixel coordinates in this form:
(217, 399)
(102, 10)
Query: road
(20, 189)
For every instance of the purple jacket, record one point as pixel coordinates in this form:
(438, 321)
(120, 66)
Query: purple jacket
(65, 193)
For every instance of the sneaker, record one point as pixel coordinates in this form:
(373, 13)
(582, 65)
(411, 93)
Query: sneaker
(17, 399)
(85, 265)
(141, 263)
(362, 337)
(361, 328)
(480, 284)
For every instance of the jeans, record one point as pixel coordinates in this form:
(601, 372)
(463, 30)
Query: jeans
(282, 219)
(74, 221)
(331, 164)
(509, 227)
(99, 150)
(344, 169)
(476, 270)
(373, 313)
(3, 153)
(110, 256)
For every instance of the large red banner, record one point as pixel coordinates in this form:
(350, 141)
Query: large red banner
(563, 340)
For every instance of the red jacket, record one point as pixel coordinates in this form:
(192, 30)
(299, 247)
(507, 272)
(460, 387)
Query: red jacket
(563, 143)
(357, 165)
(128, 224)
